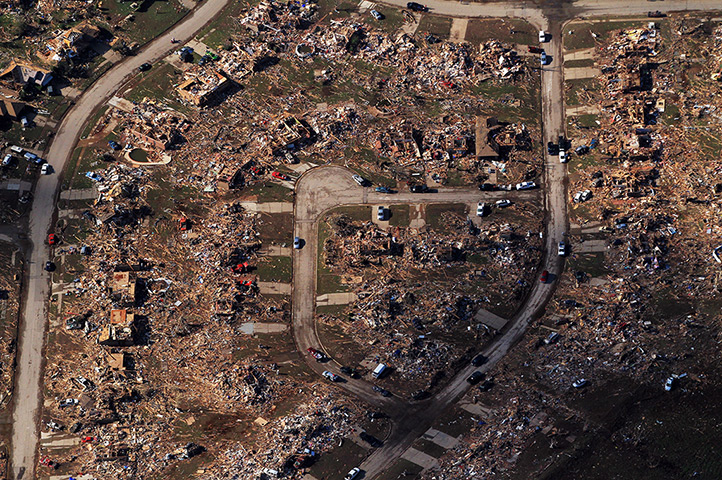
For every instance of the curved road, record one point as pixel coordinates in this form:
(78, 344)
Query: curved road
(27, 392)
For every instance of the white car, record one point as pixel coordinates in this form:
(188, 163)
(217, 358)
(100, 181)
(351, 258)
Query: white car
(377, 15)
(331, 376)
(359, 179)
(353, 473)
(381, 214)
(297, 243)
(481, 209)
(525, 185)
(669, 384)
(562, 249)
(579, 383)
(503, 203)
(46, 169)
(542, 36)
(563, 156)
(543, 58)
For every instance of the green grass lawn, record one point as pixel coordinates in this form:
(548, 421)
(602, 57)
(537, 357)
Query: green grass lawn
(575, 87)
(437, 26)
(399, 216)
(581, 36)
(151, 19)
(158, 84)
(434, 215)
(275, 269)
(511, 30)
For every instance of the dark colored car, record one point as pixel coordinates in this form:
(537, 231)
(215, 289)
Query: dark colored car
(656, 14)
(475, 378)
(420, 395)
(419, 189)
(370, 439)
(417, 7)
(478, 360)
(49, 266)
(486, 386)
(552, 148)
(144, 67)
(374, 415)
(350, 372)
(383, 190)
(487, 187)
(382, 391)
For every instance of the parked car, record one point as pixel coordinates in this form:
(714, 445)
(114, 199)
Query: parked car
(114, 145)
(417, 7)
(544, 276)
(353, 473)
(525, 185)
(475, 378)
(562, 249)
(47, 462)
(503, 203)
(331, 376)
(52, 239)
(478, 360)
(420, 395)
(656, 14)
(279, 175)
(579, 383)
(49, 266)
(481, 209)
(144, 67)
(297, 243)
(7, 160)
(563, 156)
(552, 148)
(534, 49)
(316, 354)
(551, 338)
(370, 439)
(359, 179)
(350, 372)
(419, 189)
(487, 187)
(46, 169)
(25, 197)
(377, 15)
(486, 386)
(381, 213)
(542, 36)
(383, 190)
(382, 391)
(544, 59)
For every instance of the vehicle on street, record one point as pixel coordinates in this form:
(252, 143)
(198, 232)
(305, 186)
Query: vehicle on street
(478, 360)
(350, 372)
(331, 376)
(552, 148)
(417, 7)
(475, 378)
(382, 391)
(525, 185)
(419, 189)
(297, 243)
(377, 15)
(383, 190)
(503, 203)
(487, 187)
(370, 439)
(353, 473)
(359, 179)
(656, 14)
(542, 36)
(669, 384)
(563, 156)
(562, 249)
(579, 383)
(544, 58)
(49, 266)
(279, 175)
(144, 67)
(316, 354)
(544, 276)
(46, 169)
(52, 239)
(481, 209)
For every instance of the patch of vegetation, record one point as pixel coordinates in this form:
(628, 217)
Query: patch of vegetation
(275, 269)
(480, 30)
(437, 26)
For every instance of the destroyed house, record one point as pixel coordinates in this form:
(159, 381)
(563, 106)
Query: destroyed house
(404, 144)
(12, 110)
(23, 74)
(202, 86)
(289, 131)
(486, 147)
(123, 289)
(120, 331)
(457, 146)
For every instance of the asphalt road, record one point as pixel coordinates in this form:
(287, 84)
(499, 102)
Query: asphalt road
(27, 392)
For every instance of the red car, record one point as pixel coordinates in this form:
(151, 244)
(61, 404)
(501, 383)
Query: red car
(279, 175)
(45, 461)
(544, 277)
(52, 239)
(184, 224)
(316, 354)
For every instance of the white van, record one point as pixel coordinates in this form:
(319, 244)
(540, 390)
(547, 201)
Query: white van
(379, 370)
(16, 149)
